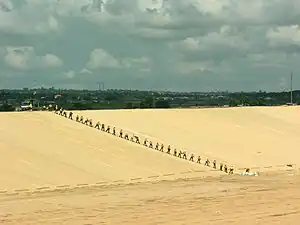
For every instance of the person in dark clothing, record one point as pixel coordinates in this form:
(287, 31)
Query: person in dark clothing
(137, 139)
(86, 121)
(225, 169)
(121, 133)
(231, 171)
(97, 125)
(103, 127)
(156, 146)
(162, 148)
(192, 157)
(108, 129)
(77, 118)
(114, 131)
(207, 162)
(214, 164)
(169, 149)
(184, 155)
(221, 166)
(175, 152)
(199, 159)
(145, 142)
(150, 144)
(71, 115)
(126, 136)
(179, 154)
(81, 119)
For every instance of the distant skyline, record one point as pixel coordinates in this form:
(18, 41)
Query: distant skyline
(191, 45)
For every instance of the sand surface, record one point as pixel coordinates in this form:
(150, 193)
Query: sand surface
(242, 137)
(56, 171)
(272, 199)
(41, 148)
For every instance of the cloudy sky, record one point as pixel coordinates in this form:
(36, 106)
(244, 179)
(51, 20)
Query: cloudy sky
(184, 45)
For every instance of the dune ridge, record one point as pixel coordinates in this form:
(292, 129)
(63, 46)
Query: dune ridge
(244, 137)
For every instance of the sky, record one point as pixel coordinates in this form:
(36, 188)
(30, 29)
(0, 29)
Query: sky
(170, 45)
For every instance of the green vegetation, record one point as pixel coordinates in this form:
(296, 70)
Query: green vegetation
(10, 100)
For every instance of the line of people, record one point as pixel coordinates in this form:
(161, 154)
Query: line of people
(146, 142)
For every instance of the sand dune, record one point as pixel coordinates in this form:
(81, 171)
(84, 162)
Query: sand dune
(74, 174)
(41, 148)
(242, 137)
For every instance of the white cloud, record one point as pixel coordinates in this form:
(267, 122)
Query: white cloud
(25, 58)
(221, 40)
(190, 67)
(49, 60)
(142, 62)
(71, 7)
(246, 40)
(201, 68)
(85, 71)
(69, 74)
(284, 35)
(6, 5)
(99, 58)
(29, 18)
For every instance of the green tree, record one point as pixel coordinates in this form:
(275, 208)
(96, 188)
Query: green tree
(163, 104)
(6, 108)
(129, 105)
(147, 103)
(78, 106)
(111, 97)
(233, 102)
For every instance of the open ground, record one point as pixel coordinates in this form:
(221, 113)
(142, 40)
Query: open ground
(54, 170)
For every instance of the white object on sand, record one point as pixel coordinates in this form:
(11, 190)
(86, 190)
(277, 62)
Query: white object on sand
(249, 174)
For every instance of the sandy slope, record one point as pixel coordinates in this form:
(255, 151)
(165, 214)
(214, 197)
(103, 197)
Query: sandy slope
(41, 148)
(244, 137)
(232, 200)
